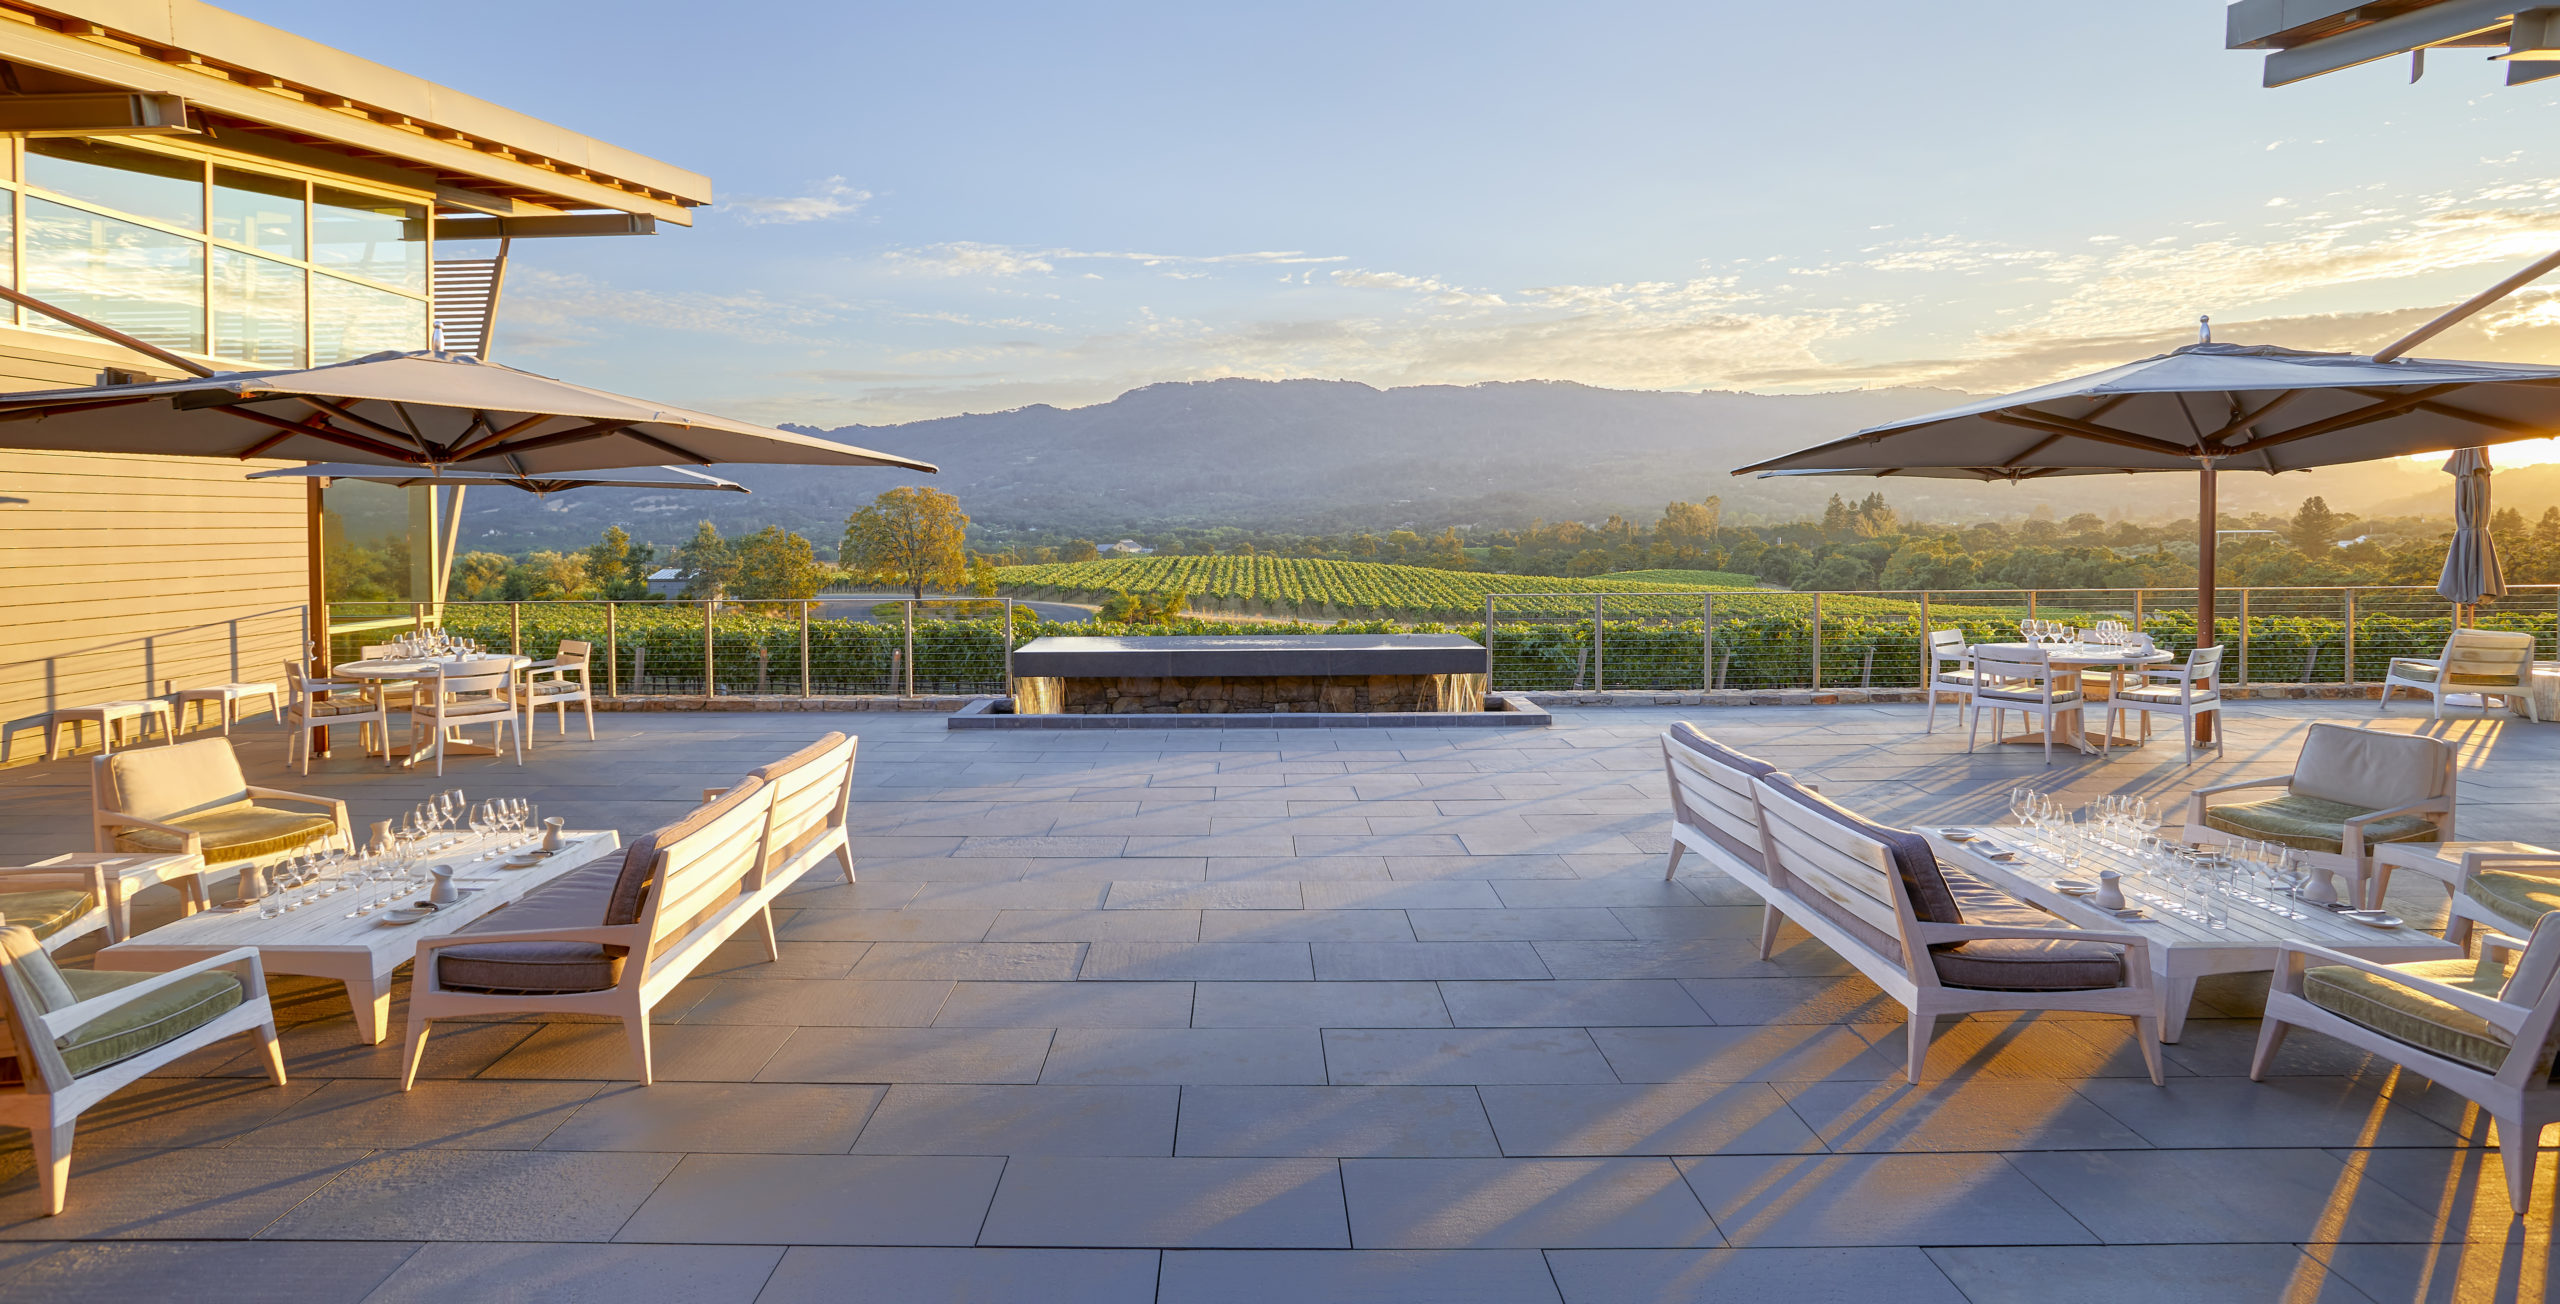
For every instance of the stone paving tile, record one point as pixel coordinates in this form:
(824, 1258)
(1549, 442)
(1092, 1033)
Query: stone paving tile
(1810, 1200)
(800, 959)
(808, 925)
(1770, 1053)
(1298, 869)
(1185, 1055)
(1200, 961)
(1304, 926)
(1389, 1057)
(1813, 1276)
(2135, 1274)
(1355, 1277)
(1976, 1114)
(167, 1194)
(975, 961)
(836, 1003)
(1451, 895)
(1322, 1122)
(1096, 926)
(1250, 894)
(1638, 889)
(1449, 868)
(1040, 1120)
(1602, 1120)
(1676, 923)
(478, 1195)
(903, 1275)
(1715, 957)
(1319, 1005)
(1846, 999)
(1044, 895)
(1068, 1005)
(719, 1117)
(2203, 1196)
(1381, 961)
(1517, 925)
(358, 1112)
(1578, 1003)
(175, 1113)
(200, 1272)
(818, 1200)
(1173, 1203)
(579, 1274)
(1522, 1204)
(909, 1055)
(601, 1052)
(2207, 1113)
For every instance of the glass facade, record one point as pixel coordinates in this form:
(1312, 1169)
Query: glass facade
(218, 260)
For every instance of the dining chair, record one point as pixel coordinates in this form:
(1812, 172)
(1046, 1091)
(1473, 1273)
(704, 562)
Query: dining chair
(1950, 669)
(308, 710)
(546, 683)
(398, 694)
(464, 694)
(2186, 692)
(2020, 679)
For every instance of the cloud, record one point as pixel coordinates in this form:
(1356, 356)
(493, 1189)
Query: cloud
(826, 201)
(1431, 288)
(559, 309)
(971, 258)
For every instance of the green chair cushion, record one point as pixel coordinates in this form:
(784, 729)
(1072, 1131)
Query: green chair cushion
(45, 913)
(2426, 670)
(2313, 824)
(243, 832)
(2520, 899)
(2407, 1015)
(154, 1020)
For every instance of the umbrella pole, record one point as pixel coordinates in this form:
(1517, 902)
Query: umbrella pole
(2206, 514)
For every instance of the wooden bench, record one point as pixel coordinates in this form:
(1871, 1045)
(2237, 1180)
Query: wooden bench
(812, 792)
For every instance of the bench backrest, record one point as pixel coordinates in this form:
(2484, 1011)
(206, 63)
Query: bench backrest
(678, 878)
(812, 789)
(1711, 790)
(2487, 653)
(1850, 869)
(166, 783)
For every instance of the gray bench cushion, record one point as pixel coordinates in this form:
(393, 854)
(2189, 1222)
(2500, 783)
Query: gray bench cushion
(576, 899)
(2064, 964)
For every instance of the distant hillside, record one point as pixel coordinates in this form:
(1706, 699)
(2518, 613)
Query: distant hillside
(1324, 456)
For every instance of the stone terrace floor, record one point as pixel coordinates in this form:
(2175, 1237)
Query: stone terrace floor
(1285, 1016)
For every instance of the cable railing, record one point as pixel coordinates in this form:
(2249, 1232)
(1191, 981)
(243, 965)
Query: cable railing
(1758, 640)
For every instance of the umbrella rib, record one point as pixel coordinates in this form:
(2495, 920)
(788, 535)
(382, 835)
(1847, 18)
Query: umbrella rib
(2483, 419)
(2344, 420)
(347, 411)
(2050, 423)
(39, 411)
(2248, 419)
(2037, 447)
(322, 432)
(670, 450)
(496, 436)
(595, 430)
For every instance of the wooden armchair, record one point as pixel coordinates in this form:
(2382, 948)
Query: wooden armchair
(2483, 1029)
(58, 903)
(81, 1035)
(2486, 662)
(191, 797)
(2351, 790)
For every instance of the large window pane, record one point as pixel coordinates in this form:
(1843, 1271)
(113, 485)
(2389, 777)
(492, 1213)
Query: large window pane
(350, 321)
(146, 282)
(257, 310)
(257, 210)
(376, 238)
(155, 186)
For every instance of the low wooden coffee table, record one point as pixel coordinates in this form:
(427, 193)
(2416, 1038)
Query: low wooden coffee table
(2182, 950)
(320, 940)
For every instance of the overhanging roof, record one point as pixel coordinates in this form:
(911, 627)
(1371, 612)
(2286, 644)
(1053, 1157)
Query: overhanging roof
(2309, 37)
(245, 76)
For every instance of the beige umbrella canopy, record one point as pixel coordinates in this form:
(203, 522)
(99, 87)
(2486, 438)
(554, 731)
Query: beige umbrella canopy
(428, 410)
(672, 477)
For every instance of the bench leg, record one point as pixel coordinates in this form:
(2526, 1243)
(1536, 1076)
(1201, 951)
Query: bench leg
(2271, 1033)
(2147, 1030)
(1674, 866)
(417, 1051)
(1770, 919)
(1918, 1030)
(2516, 1145)
(764, 922)
(637, 1025)
(844, 856)
(52, 1143)
(273, 1051)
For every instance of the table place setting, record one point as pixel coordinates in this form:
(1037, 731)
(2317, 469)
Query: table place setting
(448, 846)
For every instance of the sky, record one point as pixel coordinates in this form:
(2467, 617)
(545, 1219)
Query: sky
(931, 209)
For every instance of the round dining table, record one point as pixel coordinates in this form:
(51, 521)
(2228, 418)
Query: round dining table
(380, 670)
(2076, 661)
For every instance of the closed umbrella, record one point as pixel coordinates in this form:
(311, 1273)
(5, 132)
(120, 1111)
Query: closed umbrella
(2471, 570)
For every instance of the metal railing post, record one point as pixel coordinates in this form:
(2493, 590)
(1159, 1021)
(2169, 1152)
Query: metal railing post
(515, 629)
(710, 654)
(1928, 661)
(1707, 642)
(2350, 672)
(804, 648)
(2244, 638)
(1008, 646)
(1817, 642)
(910, 683)
(418, 616)
(2137, 611)
(2031, 604)
(1599, 615)
(1488, 642)
(612, 652)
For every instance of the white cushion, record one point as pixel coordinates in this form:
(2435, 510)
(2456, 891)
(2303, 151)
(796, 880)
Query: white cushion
(2376, 771)
(163, 783)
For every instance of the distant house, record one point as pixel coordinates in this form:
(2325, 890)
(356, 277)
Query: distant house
(1129, 548)
(666, 583)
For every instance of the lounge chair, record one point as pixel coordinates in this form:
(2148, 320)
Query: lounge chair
(191, 797)
(2485, 662)
(2351, 790)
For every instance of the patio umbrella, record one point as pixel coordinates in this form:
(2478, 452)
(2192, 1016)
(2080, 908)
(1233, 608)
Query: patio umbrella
(425, 409)
(2206, 408)
(2471, 570)
(538, 485)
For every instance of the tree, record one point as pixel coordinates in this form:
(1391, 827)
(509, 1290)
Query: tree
(1839, 572)
(546, 576)
(709, 565)
(1690, 525)
(619, 568)
(1931, 564)
(775, 563)
(912, 537)
(1076, 549)
(1588, 562)
(2315, 527)
(479, 576)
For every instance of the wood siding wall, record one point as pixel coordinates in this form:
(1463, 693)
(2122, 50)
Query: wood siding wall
(127, 577)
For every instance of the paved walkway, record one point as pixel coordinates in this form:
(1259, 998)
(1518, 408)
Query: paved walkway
(1285, 1016)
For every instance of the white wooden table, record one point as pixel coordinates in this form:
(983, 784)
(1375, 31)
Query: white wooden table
(129, 872)
(2077, 660)
(321, 940)
(423, 670)
(2182, 950)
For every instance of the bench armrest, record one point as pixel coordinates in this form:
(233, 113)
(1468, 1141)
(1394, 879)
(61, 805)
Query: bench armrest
(1933, 934)
(21, 878)
(109, 819)
(253, 983)
(2434, 805)
(634, 936)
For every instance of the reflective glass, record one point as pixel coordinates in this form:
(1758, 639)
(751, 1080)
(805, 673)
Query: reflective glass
(381, 239)
(137, 279)
(257, 310)
(260, 211)
(350, 321)
(163, 189)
